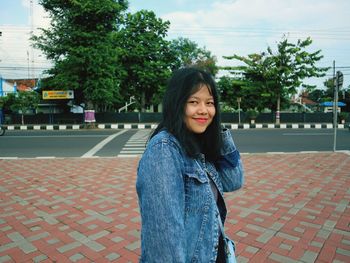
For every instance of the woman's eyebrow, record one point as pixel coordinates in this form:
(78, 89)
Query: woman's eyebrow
(195, 97)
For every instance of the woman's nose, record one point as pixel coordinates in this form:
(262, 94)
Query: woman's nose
(202, 109)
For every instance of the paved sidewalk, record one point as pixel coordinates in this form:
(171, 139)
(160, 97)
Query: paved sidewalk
(293, 208)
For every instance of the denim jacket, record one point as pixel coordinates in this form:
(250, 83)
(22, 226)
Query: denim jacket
(178, 208)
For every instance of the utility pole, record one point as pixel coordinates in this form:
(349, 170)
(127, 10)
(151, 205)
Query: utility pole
(337, 84)
(239, 109)
(31, 17)
(335, 109)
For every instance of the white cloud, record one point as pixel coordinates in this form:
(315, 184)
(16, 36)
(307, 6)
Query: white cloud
(39, 16)
(226, 27)
(18, 58)
(262, 19)
(249, 26)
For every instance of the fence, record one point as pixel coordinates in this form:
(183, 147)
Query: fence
(145, 117)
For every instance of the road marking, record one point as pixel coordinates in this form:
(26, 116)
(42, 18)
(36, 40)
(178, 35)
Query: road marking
(307, 134)
(128, 155)
(136, 145)
(126, 152)
(100, 145)
(53, 136)
(140, 149)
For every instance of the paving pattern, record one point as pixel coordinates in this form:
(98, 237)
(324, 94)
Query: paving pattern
(293, 208)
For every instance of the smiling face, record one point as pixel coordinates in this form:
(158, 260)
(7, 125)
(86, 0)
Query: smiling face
(199, 110)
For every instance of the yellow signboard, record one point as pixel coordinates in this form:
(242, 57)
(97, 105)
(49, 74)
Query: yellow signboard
(58, 94)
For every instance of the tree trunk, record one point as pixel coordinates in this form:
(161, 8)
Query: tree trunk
(22, 117)
(143, 102)
(278, 109)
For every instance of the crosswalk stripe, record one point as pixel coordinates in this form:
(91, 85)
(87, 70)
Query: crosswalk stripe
(136, 144)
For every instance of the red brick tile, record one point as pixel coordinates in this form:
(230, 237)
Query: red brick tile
(296, 253)
(128, 255)
(95, 175)
(261, 256)
(327, 253)
(58, 257)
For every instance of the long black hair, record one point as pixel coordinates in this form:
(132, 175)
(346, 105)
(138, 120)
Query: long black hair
(183, 83)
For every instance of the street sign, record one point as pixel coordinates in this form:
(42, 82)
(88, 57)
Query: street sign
(58, 94)
(340, 79)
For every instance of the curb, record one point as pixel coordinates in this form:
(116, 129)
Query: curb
(154, 125)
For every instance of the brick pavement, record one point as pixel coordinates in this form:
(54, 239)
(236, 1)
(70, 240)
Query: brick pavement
(293, 208)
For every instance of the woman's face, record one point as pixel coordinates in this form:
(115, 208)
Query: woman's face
(199, 110)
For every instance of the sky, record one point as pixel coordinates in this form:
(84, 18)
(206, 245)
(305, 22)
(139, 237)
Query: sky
(224, 27)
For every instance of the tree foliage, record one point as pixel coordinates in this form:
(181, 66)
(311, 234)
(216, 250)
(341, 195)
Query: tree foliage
(292, 63)
(80, 42)
(188, 53)
(230, 89)
(21, 102)
(322, 95)
(253, 81)
(327, 94)
(146, 57)
(270, 77)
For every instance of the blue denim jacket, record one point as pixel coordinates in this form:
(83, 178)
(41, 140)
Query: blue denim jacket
(178, 209)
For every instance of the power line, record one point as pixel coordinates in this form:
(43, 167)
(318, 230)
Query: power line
(22, 68)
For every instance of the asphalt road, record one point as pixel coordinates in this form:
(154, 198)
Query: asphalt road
(108, 143)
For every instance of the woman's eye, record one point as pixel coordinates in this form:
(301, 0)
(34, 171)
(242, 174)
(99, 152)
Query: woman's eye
(192, 102)
(211, 103)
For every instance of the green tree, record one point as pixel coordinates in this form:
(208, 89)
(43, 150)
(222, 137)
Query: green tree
(281, 72)
(254, 81)
(81, 43)
(327, 94)
(319, 95)
(146, 58)
(291, 64)
(21, 102)
(230, 89)
(2, 102)
(322, 95)
(188, 53)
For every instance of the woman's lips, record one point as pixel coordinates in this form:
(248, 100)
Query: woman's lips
(201, 120)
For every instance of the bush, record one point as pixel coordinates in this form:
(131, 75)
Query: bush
(343, 115)
(252, 114)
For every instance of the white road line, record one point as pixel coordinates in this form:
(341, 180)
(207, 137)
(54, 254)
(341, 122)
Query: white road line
(128, 155)
(136, 144)
(54, 136)
(131, 151)
(307, 134)
(100, 145)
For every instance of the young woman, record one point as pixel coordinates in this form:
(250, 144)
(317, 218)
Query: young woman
(188, 163)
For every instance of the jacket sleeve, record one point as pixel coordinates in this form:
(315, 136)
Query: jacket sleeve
(160, 188)
(230, 164)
